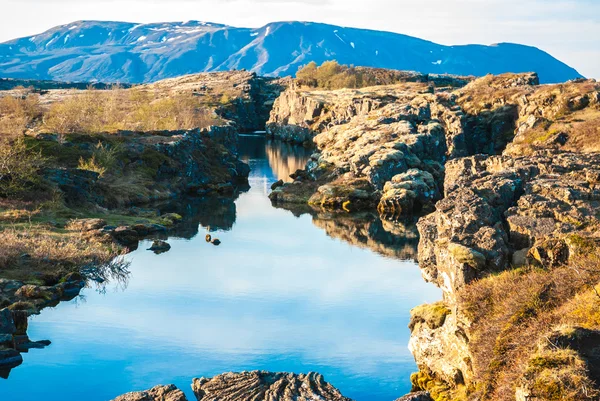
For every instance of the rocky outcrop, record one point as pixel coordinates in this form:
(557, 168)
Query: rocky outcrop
(496, 206)
(536, 205)
(297, 116)
(391, 152)
(266, 386)
(157, 166)
(158, 393)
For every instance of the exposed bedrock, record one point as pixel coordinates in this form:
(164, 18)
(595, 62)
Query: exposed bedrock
(514, 247)
(499, 213)
(498, 206)
(385, 147)
(158, 393)
(152, 167)
(246, 386)
(266, 386)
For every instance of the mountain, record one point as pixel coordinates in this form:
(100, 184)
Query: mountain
(134, 53)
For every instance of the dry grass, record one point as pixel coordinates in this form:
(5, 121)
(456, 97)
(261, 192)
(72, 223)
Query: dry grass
(17, 115)
(95, 111)
(512, 311)
(37, 250)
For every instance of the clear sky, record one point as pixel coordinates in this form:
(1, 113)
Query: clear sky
(567, 29)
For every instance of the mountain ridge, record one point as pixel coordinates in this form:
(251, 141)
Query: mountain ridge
(114, 51)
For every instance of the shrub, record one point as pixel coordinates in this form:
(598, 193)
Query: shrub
(19, 167)
(103, 159)
(17, 114)
(331, 75)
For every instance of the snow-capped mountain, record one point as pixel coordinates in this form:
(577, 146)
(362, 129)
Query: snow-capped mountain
(133, 53)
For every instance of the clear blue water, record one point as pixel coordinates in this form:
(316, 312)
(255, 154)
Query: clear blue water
(279, 294)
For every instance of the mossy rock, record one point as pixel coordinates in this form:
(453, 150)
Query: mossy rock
(467, 256)
(434, 315)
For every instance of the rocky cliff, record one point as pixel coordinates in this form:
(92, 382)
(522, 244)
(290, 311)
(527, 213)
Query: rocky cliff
(385, 146)
(509, 170)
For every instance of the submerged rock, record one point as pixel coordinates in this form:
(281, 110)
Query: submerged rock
(159, 247)
(158, 393)
(266, 386)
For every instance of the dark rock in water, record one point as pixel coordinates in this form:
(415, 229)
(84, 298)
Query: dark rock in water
(216, 242)
(7, 324)
(208, 238)
(266, 386)
(159, 247)
(20, 319)
(158, 393)
(277, 184)
(420, 396)
(10, 358)
(27, 345)
(148, 229)
(6, 341)
(126, 236)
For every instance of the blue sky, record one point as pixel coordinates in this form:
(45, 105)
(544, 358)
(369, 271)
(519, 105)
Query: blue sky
(567, 29)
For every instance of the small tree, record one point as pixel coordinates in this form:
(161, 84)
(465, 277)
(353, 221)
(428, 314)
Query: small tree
(307, 75)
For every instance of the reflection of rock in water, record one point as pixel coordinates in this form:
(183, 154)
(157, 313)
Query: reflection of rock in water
(397, 239)
(285, 158)
(24, 300)
(212, 212)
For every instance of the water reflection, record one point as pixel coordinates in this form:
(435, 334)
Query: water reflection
(283, 292)
(392, 238)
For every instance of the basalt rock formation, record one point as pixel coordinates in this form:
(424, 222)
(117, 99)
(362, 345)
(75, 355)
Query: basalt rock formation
(509, 170)
(265, 386)
(386, 146)
(514, 247)
(240, 96)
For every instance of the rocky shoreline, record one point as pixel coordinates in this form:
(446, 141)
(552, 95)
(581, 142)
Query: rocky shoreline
(501, 173)
(101, 209)
(505, 172)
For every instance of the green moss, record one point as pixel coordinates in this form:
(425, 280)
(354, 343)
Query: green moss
(581, 244)
(439, 391)
(467, 255)
(434, 315)
(65, 156)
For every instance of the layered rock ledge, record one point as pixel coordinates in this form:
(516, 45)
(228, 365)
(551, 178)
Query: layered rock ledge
(256, 386)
